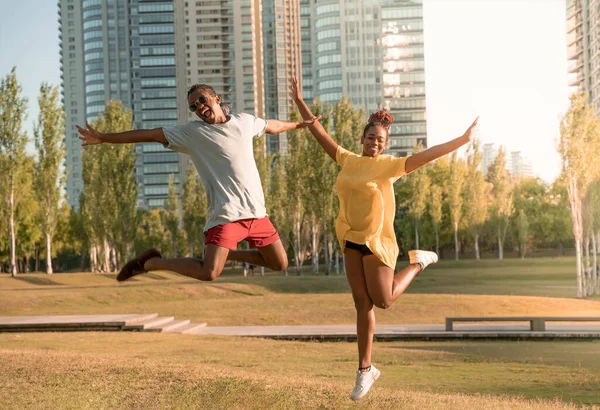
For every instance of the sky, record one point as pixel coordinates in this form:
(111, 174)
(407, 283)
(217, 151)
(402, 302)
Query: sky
(502, 60)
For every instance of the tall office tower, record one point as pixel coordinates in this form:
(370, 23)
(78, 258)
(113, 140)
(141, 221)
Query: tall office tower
(307, 42)
(373, 52)
(223, 46)
(73, 92)
(403, 76)
(123, 50)
(583, 49)
(282, 56)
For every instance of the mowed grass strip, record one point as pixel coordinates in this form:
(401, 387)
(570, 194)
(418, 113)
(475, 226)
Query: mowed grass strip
(463, 289)
(117, 370)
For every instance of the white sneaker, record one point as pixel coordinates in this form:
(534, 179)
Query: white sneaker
(423, 258)
(364, 381)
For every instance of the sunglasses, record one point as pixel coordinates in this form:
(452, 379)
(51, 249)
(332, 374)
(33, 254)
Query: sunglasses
(200, 101)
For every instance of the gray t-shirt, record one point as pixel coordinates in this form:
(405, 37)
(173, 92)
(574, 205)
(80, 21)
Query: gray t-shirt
(224, 157)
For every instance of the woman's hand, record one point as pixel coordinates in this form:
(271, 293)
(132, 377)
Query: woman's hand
(468, 135)
(296, 91)
(306, 123)
(89, 136)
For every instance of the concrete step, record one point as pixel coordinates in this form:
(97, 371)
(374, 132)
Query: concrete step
(150, 324)
(190, 328)
(140, 318)
(170, 327)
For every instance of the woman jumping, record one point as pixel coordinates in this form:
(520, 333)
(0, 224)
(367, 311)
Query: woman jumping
(365, 224)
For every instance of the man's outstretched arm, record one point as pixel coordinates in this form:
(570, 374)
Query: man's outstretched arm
(90, 136)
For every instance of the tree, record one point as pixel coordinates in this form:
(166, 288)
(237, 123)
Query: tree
(278, 204)
(194, 209)
(296, 168)
(109, 206)
(170, 216)
(502, 193)
(476, 195)
(578, 148)
(522, 232)
(49, 178)
(420, 183)
(27, 229)
(455, 198)
(12, 151)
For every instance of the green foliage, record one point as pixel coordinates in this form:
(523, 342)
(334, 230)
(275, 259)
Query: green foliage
(194, 205)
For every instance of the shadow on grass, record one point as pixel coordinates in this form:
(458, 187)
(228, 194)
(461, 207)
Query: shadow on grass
(38, 281)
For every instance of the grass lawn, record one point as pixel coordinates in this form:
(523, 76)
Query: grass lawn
(535, 286)
(141, 370)
(136, 370)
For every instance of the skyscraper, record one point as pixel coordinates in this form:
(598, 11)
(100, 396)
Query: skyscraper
(123, 50)
(282, 56)
(373, 52)
(583, 49)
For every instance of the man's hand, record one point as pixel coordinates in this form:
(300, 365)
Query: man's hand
(468, 135)
(306, 123)
(89, 136)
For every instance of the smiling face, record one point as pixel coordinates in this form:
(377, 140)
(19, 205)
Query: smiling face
(374, 140)
(206, 106)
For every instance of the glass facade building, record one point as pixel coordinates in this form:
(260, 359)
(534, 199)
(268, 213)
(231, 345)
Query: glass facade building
(127, 54)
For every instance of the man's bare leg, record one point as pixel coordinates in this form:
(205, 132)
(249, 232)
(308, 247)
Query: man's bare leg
(208, 269)
(272, 256)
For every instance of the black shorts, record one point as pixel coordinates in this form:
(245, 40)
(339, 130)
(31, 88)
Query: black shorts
(363, 249)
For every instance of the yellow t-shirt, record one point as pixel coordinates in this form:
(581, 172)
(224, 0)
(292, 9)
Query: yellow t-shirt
(367, 203)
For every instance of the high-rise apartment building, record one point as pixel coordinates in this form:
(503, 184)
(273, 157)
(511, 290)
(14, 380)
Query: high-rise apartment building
(122, 50)
(373, 52)
(282, 61)
(583, 49)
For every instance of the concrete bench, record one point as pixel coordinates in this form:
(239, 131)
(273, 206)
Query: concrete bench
(536, 323)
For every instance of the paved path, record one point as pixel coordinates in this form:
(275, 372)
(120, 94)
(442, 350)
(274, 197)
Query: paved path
(154, 323)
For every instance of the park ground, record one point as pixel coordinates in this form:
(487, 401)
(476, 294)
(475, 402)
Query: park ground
(145, 370)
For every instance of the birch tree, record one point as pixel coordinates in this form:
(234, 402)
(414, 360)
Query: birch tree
(502, 194)
(49, 176)
(12, 150)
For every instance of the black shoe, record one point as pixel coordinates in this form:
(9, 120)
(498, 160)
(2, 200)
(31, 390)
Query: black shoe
(136, 265)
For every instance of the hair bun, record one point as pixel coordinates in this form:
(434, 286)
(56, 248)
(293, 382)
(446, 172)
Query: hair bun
(381, 117)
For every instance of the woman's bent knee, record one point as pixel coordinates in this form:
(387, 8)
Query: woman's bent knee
(382, 304)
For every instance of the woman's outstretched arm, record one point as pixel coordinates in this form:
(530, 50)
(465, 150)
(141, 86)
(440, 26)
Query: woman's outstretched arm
(417, 160)
(316, 129)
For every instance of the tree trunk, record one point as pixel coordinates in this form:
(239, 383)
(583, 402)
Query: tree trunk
(344, 263)
(456, 241)
(437, 241)
(315, 246)
(106, 256)
(337, 261)
(416, 235)
(26, 261)
(191, 246)
(37, 258)
(500, 245)
(49, 255)
(326, 251)
(298, 248)
(114, 258)
(594, 286)
(476, 238)
(13, 253)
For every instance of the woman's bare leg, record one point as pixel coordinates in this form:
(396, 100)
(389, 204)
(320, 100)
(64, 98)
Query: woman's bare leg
(365, 315)
(383, 285)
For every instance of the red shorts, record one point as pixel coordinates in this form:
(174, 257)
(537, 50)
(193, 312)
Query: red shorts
(257, 232)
